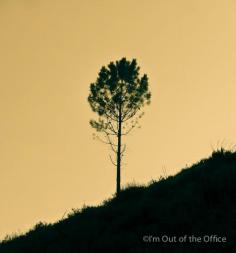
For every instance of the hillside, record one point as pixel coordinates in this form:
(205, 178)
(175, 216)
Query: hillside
(199, 201)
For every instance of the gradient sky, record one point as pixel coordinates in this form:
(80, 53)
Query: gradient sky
(50, 52)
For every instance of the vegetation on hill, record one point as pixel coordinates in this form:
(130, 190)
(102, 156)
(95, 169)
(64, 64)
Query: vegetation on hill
(199, 201)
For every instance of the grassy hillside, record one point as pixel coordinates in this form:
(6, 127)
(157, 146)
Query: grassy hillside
(199, 201)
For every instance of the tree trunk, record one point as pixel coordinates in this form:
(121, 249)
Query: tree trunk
(118, 156)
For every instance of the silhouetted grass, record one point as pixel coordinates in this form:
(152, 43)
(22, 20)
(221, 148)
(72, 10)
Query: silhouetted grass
(199, 201)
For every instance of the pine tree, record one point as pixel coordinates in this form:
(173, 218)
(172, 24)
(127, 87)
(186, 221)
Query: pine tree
(117, 97)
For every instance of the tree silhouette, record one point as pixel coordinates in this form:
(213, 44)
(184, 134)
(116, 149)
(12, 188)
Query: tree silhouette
(117, 97)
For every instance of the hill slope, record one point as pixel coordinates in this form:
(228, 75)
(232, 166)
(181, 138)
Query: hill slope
(198, 201)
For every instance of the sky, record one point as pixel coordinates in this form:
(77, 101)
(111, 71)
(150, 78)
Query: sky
(50, 52)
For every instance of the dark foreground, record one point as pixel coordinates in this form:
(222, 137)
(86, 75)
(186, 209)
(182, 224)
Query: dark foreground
(194, 211)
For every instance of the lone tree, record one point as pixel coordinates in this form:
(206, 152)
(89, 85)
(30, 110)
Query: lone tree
(117, 97)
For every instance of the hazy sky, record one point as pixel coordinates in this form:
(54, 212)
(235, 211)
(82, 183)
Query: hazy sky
(50, 52)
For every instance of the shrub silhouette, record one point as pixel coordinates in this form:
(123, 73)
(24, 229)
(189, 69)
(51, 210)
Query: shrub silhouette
(197, 201)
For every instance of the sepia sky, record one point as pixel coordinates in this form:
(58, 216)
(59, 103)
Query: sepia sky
(50, 52)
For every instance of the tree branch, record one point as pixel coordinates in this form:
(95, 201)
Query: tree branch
(111, 127)
(111, 144)
(108, 142)
(131, 128)
(115, 164)
(127, 116)
(123, 150)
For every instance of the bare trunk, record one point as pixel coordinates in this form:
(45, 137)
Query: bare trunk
(118, 155)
